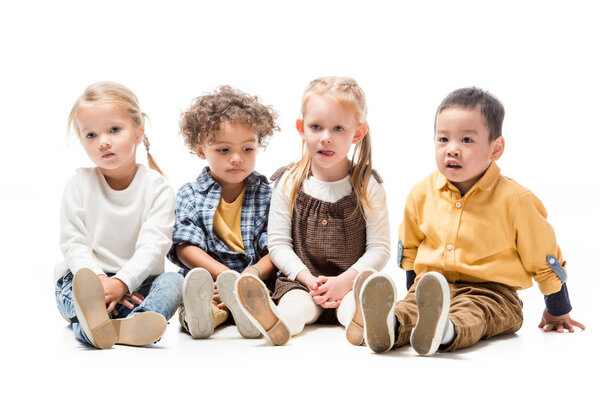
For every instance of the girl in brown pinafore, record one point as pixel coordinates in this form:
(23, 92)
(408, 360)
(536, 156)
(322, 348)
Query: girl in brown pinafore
(328, 220)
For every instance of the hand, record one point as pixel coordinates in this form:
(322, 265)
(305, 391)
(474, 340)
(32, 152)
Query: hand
(114, 290)
(217, 298)
(307, 279)
(332, 289)
(550, 323)
(127, 299)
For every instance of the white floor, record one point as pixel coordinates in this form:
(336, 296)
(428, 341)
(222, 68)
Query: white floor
(318, 363)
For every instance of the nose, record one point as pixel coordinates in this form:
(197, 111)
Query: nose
(326, 137)
(104, 142)
(453, 151)
(236, 158)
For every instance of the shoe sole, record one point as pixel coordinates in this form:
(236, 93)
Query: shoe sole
(355, 330)
(88, 295)
(253, 298)
(226, 285)
(197, 293)
(433, 302)
(141, 329)
(378, 298)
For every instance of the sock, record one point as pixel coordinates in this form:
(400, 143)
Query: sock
(449, 334)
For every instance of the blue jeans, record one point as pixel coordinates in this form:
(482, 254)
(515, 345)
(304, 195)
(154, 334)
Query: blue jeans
(162, 294)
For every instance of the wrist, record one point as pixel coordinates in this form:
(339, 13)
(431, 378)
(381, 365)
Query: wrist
(253, 270)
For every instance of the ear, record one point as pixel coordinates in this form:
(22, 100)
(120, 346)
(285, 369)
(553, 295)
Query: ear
(300, 127)
(140, 134)
(200, 152)
(360, 133)
(497, 149)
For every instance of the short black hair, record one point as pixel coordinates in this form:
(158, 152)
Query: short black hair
(471, 97)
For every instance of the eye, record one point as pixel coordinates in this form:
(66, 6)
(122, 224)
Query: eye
(467, 140)
(90, 135)
(114, 129)
(222, 150)
(443, 139)
(248, 149)
(315, 127)
(338, 128)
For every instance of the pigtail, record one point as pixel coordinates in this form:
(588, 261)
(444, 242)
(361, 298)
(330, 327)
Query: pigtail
(299, 172)
(361, 170)
(151, 163)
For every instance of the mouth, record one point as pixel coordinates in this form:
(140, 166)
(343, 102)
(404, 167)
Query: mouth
(453, 165)
(235, 170)
(107, 155)
(326, 153)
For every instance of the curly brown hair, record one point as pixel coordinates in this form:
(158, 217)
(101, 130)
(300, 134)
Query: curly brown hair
(208, 112)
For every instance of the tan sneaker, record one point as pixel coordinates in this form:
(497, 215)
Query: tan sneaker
(197, 292)
(253, 298)
(378, 297)
(90, 308)
(433, 302)
(226, 286)
(355, 329)
(140, 329)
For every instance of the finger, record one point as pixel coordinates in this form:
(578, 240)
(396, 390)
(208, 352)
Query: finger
(111, 306)
(569, 327)
(319, 299)
(217, 298)
(331, 304)
(578, 324)
(221, 305)
(127, 304)
(542, 323)
(559, 327)
(321, 280)
(115, 312)
(135, 296)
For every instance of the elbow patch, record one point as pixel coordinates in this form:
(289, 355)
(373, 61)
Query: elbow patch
(557, 268)
(400, 251)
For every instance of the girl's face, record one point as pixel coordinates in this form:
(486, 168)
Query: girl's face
(329, 130)
(110, 138)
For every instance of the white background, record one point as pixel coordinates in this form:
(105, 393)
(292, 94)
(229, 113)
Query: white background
(538, 57)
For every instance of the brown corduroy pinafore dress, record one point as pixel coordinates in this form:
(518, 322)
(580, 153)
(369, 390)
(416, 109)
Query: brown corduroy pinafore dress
(328, 237)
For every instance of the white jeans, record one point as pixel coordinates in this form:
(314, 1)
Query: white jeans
(297, 309)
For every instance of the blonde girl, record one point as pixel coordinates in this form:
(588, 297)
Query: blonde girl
(116, 221)
(328, 220)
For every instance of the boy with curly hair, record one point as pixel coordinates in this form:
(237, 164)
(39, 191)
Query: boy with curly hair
(220, 227)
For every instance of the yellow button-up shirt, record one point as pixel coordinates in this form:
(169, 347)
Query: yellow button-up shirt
(496, 232)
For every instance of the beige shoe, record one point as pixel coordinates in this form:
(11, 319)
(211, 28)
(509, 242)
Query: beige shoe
(226, 286)
(378, 297)
(433, 302)
(355, 329)
(253, 298)
(197, 293)
(90, 308)
(140, 329)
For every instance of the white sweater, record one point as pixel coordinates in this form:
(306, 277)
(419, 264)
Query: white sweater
(125, 232)
(280, 223)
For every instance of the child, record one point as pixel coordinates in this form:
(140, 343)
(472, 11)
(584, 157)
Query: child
(471, 237)
(328, 220)
(116, 222)
(221, 218)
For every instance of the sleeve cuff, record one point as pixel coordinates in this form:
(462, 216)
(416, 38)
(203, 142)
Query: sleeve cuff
(558, 303)
(410, 279)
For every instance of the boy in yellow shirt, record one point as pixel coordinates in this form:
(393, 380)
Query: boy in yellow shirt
(469, 239)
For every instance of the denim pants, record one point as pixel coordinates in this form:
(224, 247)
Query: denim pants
(162, 294)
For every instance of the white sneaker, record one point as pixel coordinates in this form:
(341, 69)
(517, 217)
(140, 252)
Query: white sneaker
(433, 302)
(88, 296)
(378, 296)
(197, 293)
(355, 329)
(253, 298)
(226, 286)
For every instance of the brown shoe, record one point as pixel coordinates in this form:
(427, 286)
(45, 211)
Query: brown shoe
(355, 329)
(90, 308)
(253, 298)
(140, 329)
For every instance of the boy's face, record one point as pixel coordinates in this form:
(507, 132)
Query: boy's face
(232, 155)
(463, 150)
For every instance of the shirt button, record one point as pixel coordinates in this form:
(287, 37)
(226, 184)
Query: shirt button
(324, 222)
(552, 261)
(449, 247)
(458, 205)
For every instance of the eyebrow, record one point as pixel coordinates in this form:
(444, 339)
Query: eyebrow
(224, 142)
(472, 131)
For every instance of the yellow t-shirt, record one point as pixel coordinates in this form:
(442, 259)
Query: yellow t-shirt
(227, 223)
(496, 232)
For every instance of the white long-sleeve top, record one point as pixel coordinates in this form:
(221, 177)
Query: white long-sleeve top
(125, 232)
(280, 223)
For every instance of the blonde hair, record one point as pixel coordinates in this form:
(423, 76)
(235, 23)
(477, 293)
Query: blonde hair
(350, 96)
(111, 92)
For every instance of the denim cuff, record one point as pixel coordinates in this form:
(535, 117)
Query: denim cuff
(558, 303)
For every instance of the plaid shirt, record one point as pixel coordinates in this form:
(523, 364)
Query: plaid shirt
(195, 208)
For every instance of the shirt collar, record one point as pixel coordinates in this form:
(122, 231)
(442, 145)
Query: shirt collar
(205, 182)
(486, 182)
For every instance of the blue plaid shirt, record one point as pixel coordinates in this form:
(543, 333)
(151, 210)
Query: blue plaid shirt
(195, 208)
